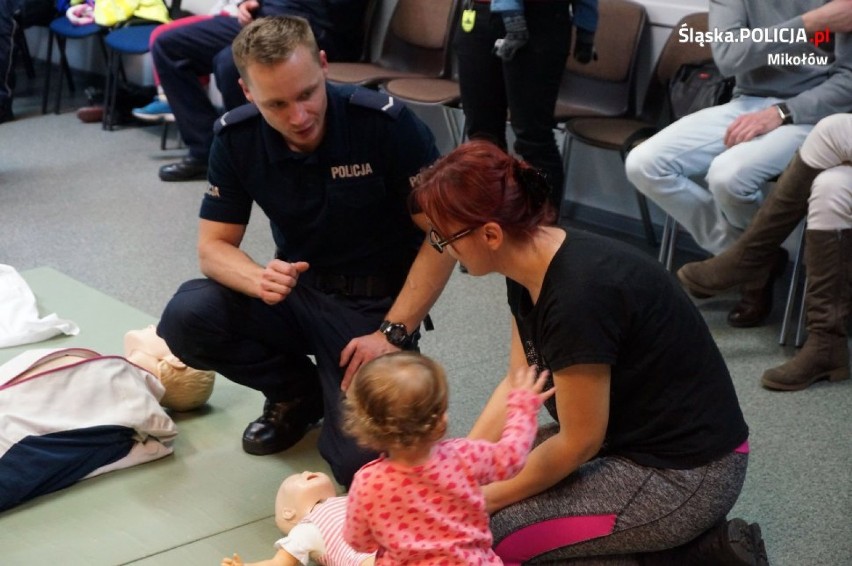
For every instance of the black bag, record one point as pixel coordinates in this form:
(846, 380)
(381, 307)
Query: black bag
(696, 86)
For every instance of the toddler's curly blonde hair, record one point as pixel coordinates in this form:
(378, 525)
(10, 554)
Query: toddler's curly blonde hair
(397, 401)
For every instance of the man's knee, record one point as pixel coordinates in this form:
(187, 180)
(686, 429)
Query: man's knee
(827, 144)
(642, 168)
(830, 202)
(168, 42)
(192, 307)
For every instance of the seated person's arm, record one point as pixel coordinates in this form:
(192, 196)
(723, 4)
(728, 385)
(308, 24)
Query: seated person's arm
(246, 11)
(835, 15)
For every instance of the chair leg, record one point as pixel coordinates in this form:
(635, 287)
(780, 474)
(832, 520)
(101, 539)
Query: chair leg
(668, 243)
(105, 119)
(24, 51)
(164, 136)
(65, 70)
(647, 225)
(50, 39)
(795, 282)
(111, 88)
(452, 125)
(803, 313)
(567, 146)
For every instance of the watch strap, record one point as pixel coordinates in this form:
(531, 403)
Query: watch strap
(784, 113)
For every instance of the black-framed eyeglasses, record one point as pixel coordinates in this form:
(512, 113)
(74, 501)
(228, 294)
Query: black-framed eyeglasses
(440, 243)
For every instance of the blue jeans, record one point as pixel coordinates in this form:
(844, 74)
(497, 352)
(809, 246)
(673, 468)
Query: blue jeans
(665, 167)
(526, 86)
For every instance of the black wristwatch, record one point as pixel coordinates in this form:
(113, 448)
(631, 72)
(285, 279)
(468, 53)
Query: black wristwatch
(784, 112)
(396, 333)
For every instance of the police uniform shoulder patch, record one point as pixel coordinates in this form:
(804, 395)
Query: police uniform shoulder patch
(376, 100)
(235, 116)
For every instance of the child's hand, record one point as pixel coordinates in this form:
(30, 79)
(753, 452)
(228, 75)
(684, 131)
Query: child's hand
(528, 378)
(235, 561)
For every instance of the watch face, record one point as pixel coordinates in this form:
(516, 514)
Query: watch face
(396, 334)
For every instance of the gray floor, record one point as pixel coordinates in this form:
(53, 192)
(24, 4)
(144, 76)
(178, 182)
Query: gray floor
(88, 204)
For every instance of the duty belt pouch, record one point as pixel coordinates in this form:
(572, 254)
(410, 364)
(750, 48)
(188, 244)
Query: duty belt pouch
(65, 420)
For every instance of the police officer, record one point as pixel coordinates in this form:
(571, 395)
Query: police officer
(332, 168)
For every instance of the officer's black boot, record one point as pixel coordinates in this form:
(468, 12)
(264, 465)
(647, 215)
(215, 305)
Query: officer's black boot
(282, 424)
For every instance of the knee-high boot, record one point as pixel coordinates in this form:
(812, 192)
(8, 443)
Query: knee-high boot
(755, 257)
(825, 354)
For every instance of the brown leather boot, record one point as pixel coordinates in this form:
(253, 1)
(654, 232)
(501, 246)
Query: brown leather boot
(751, 259)
(825, 355)
(756, 297)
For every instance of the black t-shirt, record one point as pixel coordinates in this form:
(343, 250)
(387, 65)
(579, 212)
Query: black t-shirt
(344, 208)
(672, 401)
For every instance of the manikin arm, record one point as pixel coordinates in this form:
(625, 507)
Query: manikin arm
(281, 558)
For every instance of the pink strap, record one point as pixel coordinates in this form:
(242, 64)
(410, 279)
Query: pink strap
(539, 538)
(742, 448)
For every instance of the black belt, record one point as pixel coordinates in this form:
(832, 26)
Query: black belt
(352, 285)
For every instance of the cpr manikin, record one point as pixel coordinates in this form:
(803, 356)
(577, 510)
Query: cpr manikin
(311, 515)
(186, 388)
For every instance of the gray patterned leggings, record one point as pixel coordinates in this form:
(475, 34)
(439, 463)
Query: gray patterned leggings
(612, 508)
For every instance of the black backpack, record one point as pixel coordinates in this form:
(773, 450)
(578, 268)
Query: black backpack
(696, 86)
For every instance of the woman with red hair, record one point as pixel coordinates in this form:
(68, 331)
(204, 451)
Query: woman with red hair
(650, 448)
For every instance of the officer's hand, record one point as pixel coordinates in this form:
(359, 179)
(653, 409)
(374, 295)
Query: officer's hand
(246, 10)
(749, 126)
(278, 280)
(361, 350)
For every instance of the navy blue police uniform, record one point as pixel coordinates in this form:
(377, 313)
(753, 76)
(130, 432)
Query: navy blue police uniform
(344, 208)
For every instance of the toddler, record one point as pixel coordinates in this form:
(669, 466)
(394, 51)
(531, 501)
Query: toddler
(421, 501)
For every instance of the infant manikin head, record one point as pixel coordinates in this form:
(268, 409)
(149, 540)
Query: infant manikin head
(298, 494)
(186, 388)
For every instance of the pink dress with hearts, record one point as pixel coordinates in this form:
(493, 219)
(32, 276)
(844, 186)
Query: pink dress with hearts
(434, 514)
